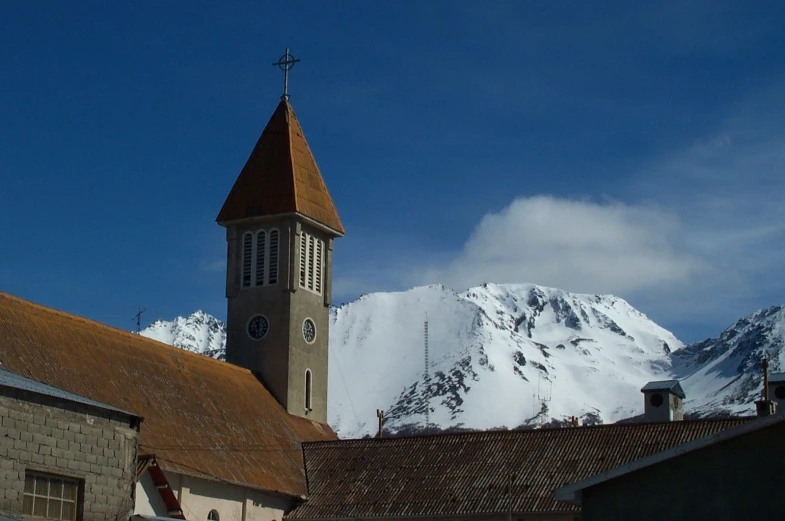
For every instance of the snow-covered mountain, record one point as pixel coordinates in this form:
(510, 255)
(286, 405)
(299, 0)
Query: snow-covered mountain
(500, 356)
(724, 374)
(512, 355)
(198, 332)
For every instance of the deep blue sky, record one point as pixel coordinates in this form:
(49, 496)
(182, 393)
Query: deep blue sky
(652, 132)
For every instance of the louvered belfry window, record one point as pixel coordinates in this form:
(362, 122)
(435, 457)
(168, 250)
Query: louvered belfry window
(317, 269)
(311, 258)
(261, 245)
(272, 272)
(247, 258)
(260, 258)
(309, 279)
(303, 257)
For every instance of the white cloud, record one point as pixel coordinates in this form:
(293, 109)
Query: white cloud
(728, 192)
(698, 240)
(580, 246)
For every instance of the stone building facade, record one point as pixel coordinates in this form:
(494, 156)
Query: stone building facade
(62, 456)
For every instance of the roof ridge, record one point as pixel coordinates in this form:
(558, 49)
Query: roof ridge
(143, 339)
(521, 431)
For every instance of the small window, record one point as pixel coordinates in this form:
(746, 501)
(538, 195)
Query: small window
(261, 242)
(213, 516)
(308, 390)
(50, 497)
(273, 271)
(247, 258)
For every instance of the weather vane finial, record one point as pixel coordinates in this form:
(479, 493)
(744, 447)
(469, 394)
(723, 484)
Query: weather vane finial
(286, 62)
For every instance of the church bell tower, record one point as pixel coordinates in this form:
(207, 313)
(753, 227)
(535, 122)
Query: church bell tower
(280, 226)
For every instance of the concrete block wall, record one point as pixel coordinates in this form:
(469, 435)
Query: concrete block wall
(47, 435)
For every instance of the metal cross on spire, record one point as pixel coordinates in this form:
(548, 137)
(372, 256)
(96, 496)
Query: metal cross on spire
(285, 63)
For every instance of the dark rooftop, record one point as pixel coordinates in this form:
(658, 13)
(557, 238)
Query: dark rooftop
(468, 473)
(671, 386)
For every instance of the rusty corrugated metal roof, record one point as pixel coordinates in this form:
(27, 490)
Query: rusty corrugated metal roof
(202, 417)
(281, 177)
(468, 473)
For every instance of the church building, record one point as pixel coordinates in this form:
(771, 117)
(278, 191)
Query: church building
(220, 441)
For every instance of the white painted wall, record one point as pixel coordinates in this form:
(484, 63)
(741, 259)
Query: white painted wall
(199, 496)
(148, 500)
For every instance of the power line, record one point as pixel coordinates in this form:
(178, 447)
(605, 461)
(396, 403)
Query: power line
(345, 388)
(249, 448)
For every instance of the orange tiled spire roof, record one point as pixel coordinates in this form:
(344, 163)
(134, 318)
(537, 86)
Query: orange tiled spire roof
(281, 177)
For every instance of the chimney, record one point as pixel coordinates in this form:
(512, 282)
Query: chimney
(766, 407)
(777, 391)
(663, 401)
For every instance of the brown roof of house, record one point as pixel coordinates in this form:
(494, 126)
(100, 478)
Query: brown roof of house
(467, 473)
(202, 417)
(281, 177)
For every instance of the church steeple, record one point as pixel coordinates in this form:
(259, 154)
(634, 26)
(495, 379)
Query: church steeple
(280, 225)
(280, 177)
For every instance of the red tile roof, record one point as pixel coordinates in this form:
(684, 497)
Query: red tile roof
(281, 177)
(202, 417)
(468, 473)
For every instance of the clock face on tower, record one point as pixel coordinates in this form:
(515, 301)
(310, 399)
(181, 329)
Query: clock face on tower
(257, 327)
(309, 330)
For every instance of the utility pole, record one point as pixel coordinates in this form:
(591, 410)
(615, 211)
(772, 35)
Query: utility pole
(380, 415)
(138, 318)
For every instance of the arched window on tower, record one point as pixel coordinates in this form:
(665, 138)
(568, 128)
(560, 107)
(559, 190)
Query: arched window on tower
(311, 248)
(311, 259)
(303, 257)
(261, 242)
(247, 258)
(308, 390)
(213, 516)
(272, 276)
(317, 269)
